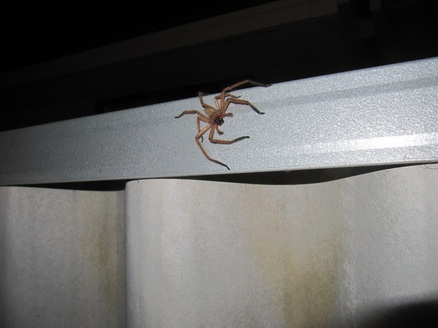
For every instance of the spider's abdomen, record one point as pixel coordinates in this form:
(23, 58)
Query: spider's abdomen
(219, 121)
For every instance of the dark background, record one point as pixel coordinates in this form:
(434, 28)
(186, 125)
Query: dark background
(363, 33)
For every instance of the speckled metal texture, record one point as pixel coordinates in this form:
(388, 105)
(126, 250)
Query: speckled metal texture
(375, 116)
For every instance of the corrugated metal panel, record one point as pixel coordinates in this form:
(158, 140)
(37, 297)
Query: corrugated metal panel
(62, 258)
(343, 253)
(354, 252)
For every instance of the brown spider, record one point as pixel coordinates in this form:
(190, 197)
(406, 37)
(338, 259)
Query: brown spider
(215, 116)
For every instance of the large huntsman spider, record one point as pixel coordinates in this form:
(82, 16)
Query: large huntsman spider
(215, 116)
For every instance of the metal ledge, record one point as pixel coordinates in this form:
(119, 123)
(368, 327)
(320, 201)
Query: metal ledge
(377, 116)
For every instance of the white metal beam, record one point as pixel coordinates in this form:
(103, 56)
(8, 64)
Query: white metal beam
(376, 116)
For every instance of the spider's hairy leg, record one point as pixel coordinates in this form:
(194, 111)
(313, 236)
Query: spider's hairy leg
(228, 142)
(219, 131)
(227, 95)
(242, 102)
(200, 95)
(198, 122)
(208, 109)
(198, 136)
(192, 112)
(225, 142)
(238, 84)
(222, 97)
(201, 99)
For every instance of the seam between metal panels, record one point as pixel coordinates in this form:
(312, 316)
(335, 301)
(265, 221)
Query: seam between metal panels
(382, 115)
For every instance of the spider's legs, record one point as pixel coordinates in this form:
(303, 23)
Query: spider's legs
(201, 100)
(219, 131)
(198, 136)
(226, 142)
(238, 84)
(242, 102)
(201, 117)
(198, 121)
(222, 96)
(235, 100)
(208, 109)
(192, 112)
(217, 126)
(227, 95)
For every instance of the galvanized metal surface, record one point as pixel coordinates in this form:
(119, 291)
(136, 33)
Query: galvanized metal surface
(382, 115)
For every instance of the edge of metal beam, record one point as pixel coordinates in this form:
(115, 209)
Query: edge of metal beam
(378, 116)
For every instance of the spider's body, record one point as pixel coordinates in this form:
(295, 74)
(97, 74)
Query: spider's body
(214, 117)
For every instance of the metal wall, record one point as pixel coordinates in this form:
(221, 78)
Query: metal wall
(343, 253)
(346, 252)
(61, 258)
